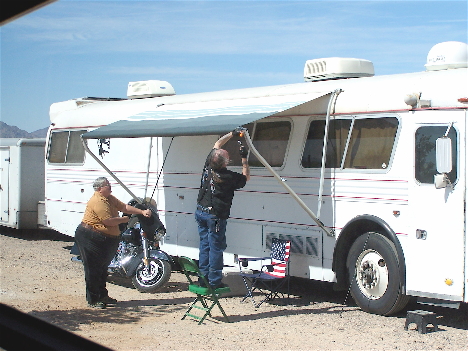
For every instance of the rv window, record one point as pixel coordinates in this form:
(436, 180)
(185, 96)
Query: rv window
(371, 143)
(337, 136)
(269, 138)
(58, 147)
(75, 151)
(271, 141)
(425, 153)
(66, 147)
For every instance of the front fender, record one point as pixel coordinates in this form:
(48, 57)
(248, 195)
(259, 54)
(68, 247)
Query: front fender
(160, 254)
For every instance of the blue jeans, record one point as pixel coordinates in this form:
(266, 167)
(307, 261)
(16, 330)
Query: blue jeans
(212, 231)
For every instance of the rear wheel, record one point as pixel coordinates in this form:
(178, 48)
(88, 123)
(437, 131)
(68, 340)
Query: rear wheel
(152, 278)
(374, 276)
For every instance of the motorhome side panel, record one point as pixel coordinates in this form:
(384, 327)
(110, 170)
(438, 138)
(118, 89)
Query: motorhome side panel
(70, 174)
(263, 210)
(22, 181)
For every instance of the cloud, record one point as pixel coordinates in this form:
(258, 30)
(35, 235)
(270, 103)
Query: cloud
(76, 48)
(313, 28)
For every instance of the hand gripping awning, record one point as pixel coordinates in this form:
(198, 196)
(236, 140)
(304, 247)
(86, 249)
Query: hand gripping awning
(204, 118)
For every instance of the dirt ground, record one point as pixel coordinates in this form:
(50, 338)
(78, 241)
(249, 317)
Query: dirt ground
(38, 278)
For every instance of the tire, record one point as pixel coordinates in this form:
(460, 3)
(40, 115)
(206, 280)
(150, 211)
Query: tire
(152, 279)
(374, 275)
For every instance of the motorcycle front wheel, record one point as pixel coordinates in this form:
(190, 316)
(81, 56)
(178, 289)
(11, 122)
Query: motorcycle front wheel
(152, 278)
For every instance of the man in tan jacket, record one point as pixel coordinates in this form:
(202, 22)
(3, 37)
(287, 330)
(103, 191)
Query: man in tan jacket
(97, 238)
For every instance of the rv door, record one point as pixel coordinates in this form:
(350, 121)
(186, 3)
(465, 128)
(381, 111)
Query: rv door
(435, 241)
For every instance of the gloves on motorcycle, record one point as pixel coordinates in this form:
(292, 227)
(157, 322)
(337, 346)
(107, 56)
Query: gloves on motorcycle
(243, 151)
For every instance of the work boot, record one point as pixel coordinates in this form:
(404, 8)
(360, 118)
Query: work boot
(99, 305)
(109, 300)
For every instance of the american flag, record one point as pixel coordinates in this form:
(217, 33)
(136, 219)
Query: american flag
(279, 257)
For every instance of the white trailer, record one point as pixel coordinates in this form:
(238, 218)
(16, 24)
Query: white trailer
(345, 165)
(21, 181)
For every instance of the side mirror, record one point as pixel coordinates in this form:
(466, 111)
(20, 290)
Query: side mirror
(444, 155)
(443, 162)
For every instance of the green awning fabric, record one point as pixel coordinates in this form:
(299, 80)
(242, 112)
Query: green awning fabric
(207, 118)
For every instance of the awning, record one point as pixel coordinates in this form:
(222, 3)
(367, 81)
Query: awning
(202, 118)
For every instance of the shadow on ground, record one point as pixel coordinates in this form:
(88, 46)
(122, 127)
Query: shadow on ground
(124, 312)
(35, 234)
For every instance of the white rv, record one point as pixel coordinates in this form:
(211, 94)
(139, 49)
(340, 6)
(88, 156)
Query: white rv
(21, 182)
(366, 175)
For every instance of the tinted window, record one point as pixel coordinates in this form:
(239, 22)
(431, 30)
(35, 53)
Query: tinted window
(425, 153)
(370, 143)
(66, 147)
(269, 138)
(58, 147)
(271, 141)
(337, 136)
(75, 151)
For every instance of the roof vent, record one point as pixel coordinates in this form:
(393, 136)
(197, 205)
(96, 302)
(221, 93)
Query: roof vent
(337, 68)
(149, 88)
(447, 55)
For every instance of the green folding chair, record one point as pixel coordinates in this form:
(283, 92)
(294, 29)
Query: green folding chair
(207, 297)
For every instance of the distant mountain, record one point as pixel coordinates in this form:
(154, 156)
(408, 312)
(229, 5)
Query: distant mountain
(41, 133)
(7, 131)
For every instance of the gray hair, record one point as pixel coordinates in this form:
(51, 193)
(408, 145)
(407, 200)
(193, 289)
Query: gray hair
(219, 159)
(99, 183)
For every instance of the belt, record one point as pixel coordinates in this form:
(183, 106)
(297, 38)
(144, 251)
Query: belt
(90, 227)
(205, 209)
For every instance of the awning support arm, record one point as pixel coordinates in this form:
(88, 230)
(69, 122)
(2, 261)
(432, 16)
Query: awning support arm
(253, 150)
(85, 144)
(324, 151)
(148, 167)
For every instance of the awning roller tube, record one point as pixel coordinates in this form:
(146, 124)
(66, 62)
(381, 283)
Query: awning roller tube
(202, 119)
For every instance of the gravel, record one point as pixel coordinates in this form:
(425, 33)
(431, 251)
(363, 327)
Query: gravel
(38, 278)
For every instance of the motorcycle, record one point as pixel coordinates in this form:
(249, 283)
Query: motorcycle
(139, 256)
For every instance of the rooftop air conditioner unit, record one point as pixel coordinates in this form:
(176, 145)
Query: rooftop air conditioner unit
(337, 68)
(149, 88)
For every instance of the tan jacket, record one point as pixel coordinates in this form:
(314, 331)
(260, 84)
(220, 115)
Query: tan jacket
(100, 208)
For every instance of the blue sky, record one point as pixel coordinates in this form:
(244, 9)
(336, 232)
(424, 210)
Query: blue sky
(74, 48)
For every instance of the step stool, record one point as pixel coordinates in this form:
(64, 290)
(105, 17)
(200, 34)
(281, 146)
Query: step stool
(422, 319)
